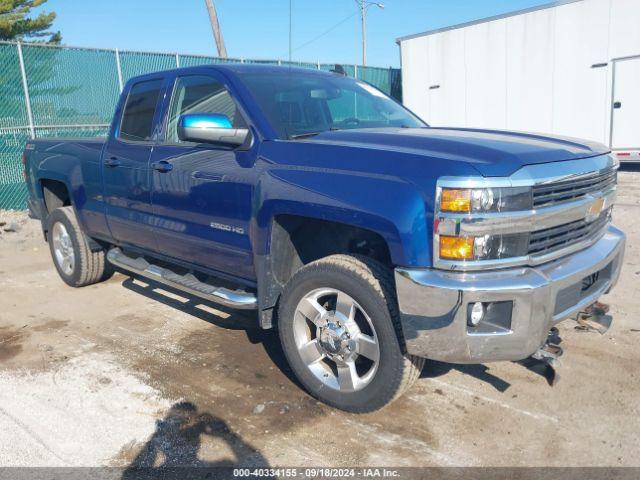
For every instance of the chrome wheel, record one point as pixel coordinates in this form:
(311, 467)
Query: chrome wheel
(336, 339)
(63, 248)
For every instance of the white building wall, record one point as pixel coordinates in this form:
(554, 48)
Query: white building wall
(530, 72)
(486, 83)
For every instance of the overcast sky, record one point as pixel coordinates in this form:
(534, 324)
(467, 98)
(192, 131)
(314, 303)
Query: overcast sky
(260, 28)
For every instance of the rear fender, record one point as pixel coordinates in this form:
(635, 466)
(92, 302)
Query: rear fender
(66, 170)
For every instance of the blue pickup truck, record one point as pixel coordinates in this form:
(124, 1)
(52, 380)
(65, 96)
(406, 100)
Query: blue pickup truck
(370, 240)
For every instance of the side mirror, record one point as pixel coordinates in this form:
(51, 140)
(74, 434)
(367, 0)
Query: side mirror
(213, 128)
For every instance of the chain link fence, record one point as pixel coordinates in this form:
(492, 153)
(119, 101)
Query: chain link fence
(53, 91)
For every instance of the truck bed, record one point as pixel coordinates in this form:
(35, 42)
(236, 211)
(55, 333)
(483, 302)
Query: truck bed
(62, 153)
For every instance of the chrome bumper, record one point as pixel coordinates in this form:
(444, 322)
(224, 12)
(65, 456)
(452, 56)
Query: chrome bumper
(433, 303)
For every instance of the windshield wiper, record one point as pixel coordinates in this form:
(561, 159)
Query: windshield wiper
(304, 135)
(311, 134)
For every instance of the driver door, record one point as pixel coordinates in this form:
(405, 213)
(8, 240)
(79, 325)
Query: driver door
(201, 194)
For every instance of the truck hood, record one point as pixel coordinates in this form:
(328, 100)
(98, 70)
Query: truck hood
(492, 153)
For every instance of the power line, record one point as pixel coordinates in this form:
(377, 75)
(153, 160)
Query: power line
(326, 32)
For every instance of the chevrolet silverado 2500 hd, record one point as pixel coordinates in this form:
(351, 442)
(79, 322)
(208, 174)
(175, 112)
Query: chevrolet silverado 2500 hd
(369, 239)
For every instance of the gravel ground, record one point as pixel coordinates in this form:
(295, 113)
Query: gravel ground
(126, 373)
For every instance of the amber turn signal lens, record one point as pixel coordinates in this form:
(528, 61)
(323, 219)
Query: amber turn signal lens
(455, 200)
(456, 248)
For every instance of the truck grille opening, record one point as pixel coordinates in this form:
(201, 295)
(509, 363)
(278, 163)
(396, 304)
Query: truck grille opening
(570, 296)
(569, 190)
(562, 236)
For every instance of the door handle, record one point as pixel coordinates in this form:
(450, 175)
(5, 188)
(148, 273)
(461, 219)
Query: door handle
(112, 162)
(162, 166)
(617, 104)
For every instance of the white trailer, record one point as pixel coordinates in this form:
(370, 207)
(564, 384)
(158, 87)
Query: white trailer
(570, 68)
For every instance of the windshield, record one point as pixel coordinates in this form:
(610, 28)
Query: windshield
(298, 104)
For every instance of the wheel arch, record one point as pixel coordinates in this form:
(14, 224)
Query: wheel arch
(297, 240)
(56, 193)
(53, 192)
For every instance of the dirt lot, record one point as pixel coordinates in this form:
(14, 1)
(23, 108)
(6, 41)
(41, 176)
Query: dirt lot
(126, 373)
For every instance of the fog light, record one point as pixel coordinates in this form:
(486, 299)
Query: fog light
(477, 312)
(489, 318)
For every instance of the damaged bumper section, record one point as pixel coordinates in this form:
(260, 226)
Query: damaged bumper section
(476, 317)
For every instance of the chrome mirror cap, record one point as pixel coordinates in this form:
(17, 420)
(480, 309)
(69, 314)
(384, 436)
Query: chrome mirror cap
(214, 128)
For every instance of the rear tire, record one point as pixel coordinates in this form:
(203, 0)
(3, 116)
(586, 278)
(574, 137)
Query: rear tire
(340, 330)
(76, 263)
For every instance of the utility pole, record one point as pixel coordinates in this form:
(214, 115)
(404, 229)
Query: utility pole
(215, 26)
(363, 17)
(363, 5)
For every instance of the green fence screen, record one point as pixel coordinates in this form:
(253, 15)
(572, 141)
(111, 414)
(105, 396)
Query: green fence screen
(72, 92)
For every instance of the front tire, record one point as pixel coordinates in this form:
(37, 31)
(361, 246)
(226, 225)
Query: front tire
(76, 263)
(340, 330)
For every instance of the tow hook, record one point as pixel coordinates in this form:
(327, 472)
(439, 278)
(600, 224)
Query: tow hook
(549, 354)
(594, 318)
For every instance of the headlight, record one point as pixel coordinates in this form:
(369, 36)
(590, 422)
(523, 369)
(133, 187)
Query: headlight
(485, 247)
(495, 247)
(485, 200)
(476, 202)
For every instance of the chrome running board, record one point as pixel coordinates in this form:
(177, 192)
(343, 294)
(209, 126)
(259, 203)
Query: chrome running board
(186, 283)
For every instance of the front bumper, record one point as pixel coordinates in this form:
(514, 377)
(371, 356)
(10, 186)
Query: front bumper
(434, 303)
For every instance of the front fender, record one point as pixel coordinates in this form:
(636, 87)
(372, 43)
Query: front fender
(386, 205)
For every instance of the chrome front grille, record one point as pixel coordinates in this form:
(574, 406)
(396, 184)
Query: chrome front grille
(550, 240)
(546, 195)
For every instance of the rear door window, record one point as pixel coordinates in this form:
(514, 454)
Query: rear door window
(139, 111)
